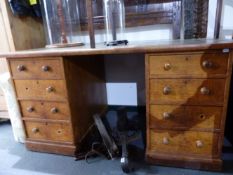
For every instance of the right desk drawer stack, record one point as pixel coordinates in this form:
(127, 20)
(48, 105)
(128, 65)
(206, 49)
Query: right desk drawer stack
(186, 108)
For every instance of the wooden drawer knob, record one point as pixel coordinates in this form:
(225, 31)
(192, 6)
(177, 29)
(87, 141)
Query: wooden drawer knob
(45, 68)
(49, 89)
(165, 141)
(205, 91)
(30, 109)
(54, 110)
(167, 90)
(21, 68)
(207, 64)
(166, 115)
(167, 66)
(199, 143)
(35, 130)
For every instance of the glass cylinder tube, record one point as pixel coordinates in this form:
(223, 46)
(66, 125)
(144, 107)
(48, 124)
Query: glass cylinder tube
(114, 12)
(61, 22)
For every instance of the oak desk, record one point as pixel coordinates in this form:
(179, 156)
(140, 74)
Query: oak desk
(187, 86)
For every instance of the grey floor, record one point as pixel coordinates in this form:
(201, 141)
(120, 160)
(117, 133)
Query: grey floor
(16, 160)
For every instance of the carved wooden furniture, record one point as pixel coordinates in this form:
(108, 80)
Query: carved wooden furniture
(187, 84)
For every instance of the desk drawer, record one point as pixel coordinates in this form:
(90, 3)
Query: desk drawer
(60, 132)
(45, 110)
(185, 117)
(201, 65)
(41, 89)
(187, 91)
(187, 142)
(36, 69)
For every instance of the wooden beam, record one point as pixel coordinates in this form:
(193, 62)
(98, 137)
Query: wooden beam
(90, 22)
(176, 19)
(218, 19)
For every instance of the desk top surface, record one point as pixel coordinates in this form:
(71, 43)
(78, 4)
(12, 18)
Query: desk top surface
(133, 47)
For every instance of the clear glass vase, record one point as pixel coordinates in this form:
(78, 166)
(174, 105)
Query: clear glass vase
(114, 12)
(61, 22)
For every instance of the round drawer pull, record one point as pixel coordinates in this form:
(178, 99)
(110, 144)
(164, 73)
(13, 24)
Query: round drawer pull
(35, 130)
(205, 91)
(202, 116)
(167, 66)
(207, 64)
(199, 143)
(45, 68)
(59, 131)
(166, 115)
(21, 68)
(30, 109)
(167, 90)
(49, 89)
(54, 110)
(165, 141)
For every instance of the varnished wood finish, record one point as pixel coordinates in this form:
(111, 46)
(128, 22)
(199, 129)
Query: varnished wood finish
(171, 46)
(184, 143)
(37, 69)
(59, 132)
(185, 117)
(51, 147)
(189, 65)
(187, 91)
(194, 94)
(45, 110)
(86, 76)
(54, 90)
(210, 164)
(187, 97)
(58, 97)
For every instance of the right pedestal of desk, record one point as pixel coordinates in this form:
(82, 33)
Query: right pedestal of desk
(187, 96)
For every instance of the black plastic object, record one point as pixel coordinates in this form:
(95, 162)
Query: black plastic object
(117, 42)
(124, 125)
(23, 8)
(107, 139)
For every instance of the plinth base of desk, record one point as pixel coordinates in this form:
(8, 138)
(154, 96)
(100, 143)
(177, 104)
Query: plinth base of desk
(54, 148)
(184, 162)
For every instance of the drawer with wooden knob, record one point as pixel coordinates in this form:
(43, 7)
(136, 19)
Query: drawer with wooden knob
(187, 91)
(185, 117)
(36, 69)
(188, 65)
(45, 110)
(52, 90)
(59, 132)
(183, 142)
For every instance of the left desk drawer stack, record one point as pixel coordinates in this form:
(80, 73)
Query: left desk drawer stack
(42, 95)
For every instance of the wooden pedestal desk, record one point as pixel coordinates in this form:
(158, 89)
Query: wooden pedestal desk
(187, 87)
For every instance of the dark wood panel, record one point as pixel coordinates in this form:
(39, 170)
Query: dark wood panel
(85, 80)
(138, 13)
(195, 18)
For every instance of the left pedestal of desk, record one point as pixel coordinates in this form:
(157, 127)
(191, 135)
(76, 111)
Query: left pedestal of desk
(54, 100)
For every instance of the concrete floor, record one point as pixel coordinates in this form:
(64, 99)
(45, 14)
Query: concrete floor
(16, 160)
